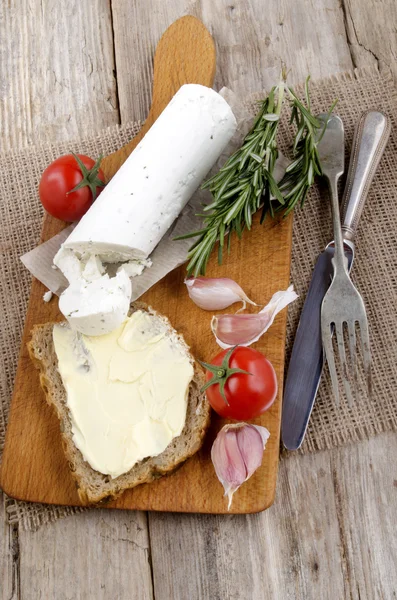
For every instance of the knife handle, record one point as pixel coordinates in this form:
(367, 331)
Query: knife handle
(370, 139)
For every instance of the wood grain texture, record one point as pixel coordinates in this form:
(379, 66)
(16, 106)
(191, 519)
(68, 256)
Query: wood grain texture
(365, 483)
(104, 557)
(57, 65)
(253, 38)
(372, 33)
(329, 535)
(9, 557)
(260, 262)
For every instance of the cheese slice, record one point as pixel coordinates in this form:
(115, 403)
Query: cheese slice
(141, 202)
(127, 391)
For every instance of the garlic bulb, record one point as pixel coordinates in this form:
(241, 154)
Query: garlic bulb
(237, 453)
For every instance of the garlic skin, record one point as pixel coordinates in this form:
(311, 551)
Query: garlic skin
(237, 453)
(210, 293)
(244, 330)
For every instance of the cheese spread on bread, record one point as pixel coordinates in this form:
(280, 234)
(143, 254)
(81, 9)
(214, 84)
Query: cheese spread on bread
(127, 391)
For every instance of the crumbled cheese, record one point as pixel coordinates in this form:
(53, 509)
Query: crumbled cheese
(133, 268)
(47, 296)
(99, 306)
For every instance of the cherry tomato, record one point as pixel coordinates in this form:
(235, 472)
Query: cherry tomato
(69, 185)
(247, 394)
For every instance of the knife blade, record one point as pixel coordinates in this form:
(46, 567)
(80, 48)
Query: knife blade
(306, 364)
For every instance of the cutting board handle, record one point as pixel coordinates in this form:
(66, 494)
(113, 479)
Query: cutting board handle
(184, 54)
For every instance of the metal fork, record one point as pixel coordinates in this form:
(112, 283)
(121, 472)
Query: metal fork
(342, 303)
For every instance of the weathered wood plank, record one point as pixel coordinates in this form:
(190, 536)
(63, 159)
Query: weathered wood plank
(9, 557)
(56, 82)
(101, 554)
(329, 535)
(372, 33)
(56, 62)
(365, 483)
(251, 36)
(286, 552)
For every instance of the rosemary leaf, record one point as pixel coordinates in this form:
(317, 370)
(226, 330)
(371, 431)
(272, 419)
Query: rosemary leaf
(246, 183)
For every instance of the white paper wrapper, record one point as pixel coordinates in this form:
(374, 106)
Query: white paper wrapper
(39, 262)
(169, 253)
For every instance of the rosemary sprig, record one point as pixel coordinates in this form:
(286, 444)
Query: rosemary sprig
(246, 181)
(300, 173)
(238, 187)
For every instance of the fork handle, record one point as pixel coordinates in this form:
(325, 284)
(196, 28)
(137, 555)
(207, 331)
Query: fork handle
(370, 139)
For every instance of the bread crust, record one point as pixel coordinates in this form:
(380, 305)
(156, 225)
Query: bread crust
(94, 487)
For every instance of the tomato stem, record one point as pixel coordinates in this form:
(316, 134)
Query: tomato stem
(221, 374)
(90, 176)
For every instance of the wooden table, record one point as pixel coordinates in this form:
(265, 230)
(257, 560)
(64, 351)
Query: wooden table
(70, 68)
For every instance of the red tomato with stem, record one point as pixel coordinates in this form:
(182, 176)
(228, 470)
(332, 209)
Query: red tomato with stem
(241, 383)
(69, 186)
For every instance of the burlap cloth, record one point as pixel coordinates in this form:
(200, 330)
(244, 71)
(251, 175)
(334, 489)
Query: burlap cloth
(374, 271)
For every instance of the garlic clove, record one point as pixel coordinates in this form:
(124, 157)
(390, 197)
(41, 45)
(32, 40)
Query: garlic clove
(235, 330)
(228, 461)
(251, 443)
(237, 453)
(264, 433)
(215, 293)
(244, 330)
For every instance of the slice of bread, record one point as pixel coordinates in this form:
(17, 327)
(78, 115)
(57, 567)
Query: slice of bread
(94, 487)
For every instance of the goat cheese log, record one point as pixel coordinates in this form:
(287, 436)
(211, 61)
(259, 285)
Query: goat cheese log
(139, 204)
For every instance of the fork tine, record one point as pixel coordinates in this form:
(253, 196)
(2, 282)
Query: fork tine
(351, 327)
(366, 352)
(329, 354)
(342, 358)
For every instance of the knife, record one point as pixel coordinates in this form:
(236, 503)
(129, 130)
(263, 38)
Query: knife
(306, 364)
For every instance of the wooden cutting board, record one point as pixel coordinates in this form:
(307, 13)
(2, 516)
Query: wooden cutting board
(34, 467)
